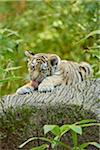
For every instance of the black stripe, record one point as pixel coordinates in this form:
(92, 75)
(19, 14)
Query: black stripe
(81, 75)
(42, 58)
(83, 68)
(88, 70)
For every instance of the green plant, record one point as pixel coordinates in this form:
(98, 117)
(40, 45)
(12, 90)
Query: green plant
(9, 69)
(8, 76)
(59, 131)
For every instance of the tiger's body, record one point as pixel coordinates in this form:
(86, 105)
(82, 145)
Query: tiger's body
(48, 71)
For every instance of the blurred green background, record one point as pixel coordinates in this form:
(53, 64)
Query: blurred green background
(69, 28)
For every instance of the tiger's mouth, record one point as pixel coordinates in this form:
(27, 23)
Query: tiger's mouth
(34, 84)
(37, 77)
(36, 81)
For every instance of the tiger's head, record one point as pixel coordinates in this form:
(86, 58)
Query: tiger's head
(41, 65)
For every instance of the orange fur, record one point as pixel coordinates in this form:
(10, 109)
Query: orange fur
(32, 84)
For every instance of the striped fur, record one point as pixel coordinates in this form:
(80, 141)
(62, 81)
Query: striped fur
(48, 71)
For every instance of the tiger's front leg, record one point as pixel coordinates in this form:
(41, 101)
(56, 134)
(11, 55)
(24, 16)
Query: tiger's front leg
(28, 88)
(48, 84)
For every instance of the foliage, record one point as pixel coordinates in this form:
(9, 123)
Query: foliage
(58, 132)
(67, 28)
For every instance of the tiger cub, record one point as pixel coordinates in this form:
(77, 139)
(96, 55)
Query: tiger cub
(48, 71)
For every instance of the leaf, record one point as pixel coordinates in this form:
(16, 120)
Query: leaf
(74, 138)
(57, 141)
(48, 128)
(10, 79)
(42, 147)
(76, 148)
(64, 129)
(11, 32)
(13, 68)
(84, 145)
(76, 128)
(55, 129)
(90, 124)
(93, 33)
(56, 138)
(85, 121)
(2, 70)
(35, 138)
(87, 36)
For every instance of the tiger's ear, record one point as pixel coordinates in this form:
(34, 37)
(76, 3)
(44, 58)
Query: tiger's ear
(54, 60)
(29, 54)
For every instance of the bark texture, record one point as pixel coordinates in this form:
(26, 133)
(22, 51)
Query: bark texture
(63, 105)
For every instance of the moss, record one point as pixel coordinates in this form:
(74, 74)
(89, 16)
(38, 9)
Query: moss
(18, 125)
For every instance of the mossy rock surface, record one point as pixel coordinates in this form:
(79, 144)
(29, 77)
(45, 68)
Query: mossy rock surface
(22, 117)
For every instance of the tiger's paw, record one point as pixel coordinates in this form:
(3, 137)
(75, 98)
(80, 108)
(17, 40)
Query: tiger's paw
(45, 87)
(24, 90)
